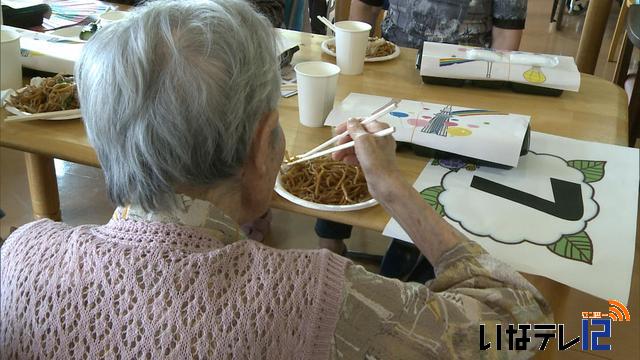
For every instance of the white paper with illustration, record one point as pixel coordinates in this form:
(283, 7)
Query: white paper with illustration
(466, 62)
(567, 212)
(482, 134)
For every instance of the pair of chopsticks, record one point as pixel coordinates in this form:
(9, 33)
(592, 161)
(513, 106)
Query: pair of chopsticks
(289, 87)
(385, 132)
(43, 115)
(315, 152)
(375, 116)
(328, 23)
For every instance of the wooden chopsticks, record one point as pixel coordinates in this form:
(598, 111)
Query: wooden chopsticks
(384, 132)
(375, 116)
(328, 23)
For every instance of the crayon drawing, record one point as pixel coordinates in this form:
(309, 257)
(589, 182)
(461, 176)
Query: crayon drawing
(568, 211)
(445, 123)
(534, 75)
(450, 128)
(574, 200)
(456, 61)
(450, 61)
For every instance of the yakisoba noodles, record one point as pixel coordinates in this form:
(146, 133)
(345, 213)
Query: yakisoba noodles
(326, 181)
(376, 47)
(53, 94)
(379, 47)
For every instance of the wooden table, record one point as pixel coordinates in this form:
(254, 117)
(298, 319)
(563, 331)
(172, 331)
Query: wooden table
(597, 113)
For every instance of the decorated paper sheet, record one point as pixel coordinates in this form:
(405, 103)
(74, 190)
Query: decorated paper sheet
(478, 133)
(47, 52)
(465, 62)
(284, 43)
(567, 212)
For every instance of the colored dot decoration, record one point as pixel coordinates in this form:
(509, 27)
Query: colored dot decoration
(534, 75)
(417, 122)
(458, 131)
(399, 114)
(451, 123)
(473, 126)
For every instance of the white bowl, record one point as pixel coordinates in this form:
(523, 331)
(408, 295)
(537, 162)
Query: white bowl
(322, 207)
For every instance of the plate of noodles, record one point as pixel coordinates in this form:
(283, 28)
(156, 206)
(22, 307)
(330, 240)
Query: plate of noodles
(55, 93)
(378, 49)
(325, 184)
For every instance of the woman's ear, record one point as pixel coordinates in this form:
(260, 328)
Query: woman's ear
(262, 142)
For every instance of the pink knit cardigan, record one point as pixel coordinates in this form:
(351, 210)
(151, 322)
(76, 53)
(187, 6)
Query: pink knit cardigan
(148, 290)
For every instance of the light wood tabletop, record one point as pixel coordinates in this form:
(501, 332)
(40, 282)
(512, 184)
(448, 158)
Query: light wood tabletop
(597, 113)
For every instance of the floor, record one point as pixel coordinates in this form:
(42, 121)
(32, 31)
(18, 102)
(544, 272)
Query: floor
(83, 199)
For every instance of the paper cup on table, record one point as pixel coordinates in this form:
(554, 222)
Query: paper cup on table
(351, 46)
(10, 66)
(317, 82)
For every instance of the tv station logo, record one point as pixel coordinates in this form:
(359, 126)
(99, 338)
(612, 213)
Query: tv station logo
(596, 326)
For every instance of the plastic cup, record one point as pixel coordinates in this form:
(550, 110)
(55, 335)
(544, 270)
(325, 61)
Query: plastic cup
(351, 46)
(10, 65)
(317, 82)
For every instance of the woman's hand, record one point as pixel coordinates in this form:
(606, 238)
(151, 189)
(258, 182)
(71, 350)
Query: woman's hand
(377, 158)
(375, 155)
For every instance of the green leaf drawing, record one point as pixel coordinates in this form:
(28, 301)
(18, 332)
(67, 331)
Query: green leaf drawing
(593, 170)
(576, 247)
(430, 195)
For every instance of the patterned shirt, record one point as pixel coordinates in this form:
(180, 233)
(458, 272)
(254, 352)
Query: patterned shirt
(466, 22)
(383, 318)
(272, 9)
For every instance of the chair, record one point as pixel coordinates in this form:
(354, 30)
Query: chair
(619, 30)
(557, 9)
(631, 40)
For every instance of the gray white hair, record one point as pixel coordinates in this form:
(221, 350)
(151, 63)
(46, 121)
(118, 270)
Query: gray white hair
(172, 95)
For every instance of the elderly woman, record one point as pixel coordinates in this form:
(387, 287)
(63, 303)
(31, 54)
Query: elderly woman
(180, 101)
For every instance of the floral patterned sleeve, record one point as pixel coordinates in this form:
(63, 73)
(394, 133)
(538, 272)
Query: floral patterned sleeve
(384, 318)
(509, 14)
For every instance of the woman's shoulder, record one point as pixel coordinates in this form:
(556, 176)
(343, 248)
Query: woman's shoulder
(39, 231)
(318, 260)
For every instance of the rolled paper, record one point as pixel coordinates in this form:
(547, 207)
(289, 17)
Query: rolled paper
(533, 59)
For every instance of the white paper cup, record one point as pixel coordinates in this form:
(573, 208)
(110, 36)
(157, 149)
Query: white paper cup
(351, 46)
(10, 65)
(112, 16)
(317, 82)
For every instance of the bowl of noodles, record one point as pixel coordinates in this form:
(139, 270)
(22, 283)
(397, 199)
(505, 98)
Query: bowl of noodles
(325, 184)
(50, 94)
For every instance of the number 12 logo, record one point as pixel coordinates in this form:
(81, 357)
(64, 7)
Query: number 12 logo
(595, 334)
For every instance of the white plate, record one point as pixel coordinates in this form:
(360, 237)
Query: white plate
(71, 33)
(322, 207)
(325, 49)
(15, 111)
(34, 81)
